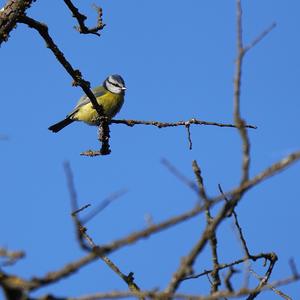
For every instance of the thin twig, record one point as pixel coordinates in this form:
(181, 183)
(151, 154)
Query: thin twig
(147, 232)
(128, 279)
(293, 268)
(82, 28)
(79, 210)
(10, 257)
(83, 236)
(73, 267)
(238, 121)
(188, 261)
(227, 278)
(276, 291)
(188, 129)
(260, 37)
(199, 178)
(191, 184)
(263, 256)
(241, 239)
(216, 281)
(107, 201)
(263, 282)
(279, 166)
(71, 186)
(239, 228)
(79, 230)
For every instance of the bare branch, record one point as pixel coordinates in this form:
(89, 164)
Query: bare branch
(71, 186)
(201, 189)
(227, 278)
(9, 16)
(11, 257)
(128, 279)
(79, 229)
(73, 267)
(263, 256)
(163, 296)
(260, 37)
(188, 129)
(239, 122)
(294, 268)
(276, 291)
(159, 124)
(82, 28)
(83, 236)
(17, 283)
(267, 173)
(155, 228)
(263, 282)
(66, 271)
(191, 184)
(107, 201)
(188, 261)
(216, 281)
(239, 228)
(192, 121)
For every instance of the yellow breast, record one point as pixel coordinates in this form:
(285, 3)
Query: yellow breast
(110, 102)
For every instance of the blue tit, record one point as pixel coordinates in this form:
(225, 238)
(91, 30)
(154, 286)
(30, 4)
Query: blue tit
(110, 95)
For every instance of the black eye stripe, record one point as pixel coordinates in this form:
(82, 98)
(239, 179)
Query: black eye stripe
(114, 84)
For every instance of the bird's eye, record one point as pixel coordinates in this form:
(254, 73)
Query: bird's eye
(114, 84)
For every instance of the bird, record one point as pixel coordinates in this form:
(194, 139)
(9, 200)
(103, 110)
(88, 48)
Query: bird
(110, 95)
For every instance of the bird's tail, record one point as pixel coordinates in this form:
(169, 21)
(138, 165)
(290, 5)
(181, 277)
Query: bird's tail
(60, 125)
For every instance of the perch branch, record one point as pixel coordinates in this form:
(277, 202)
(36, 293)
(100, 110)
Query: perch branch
(42, 29)
(189, 122)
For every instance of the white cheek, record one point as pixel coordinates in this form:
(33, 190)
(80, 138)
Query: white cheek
(113, 89)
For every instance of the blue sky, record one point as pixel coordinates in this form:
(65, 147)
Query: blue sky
(177, 58)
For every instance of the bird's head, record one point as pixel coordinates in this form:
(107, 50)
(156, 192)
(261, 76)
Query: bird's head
(115, 84)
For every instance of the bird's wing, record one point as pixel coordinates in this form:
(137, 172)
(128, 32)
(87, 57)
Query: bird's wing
(98, 92)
